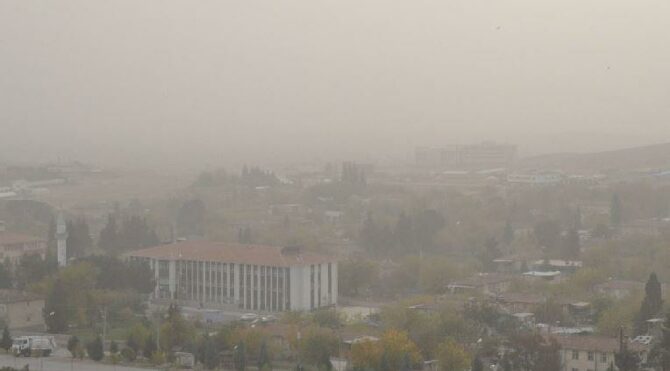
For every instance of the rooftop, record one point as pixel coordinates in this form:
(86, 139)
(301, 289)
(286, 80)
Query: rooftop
(595, 343)
(11, 238)
(232, 253)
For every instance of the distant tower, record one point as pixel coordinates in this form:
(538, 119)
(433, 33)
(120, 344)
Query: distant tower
(61, 237)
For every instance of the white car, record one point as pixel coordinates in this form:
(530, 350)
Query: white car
(249, 317)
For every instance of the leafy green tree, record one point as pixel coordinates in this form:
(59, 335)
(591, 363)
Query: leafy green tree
(571, 244)
(452, 356)
(114, 347)
(94, 349)
(109, 236)
(548, 234)
(5, 277)
(531, 352)
(73, 344)
(477, 364)
(210, 357)
(651, 305)
(356, 274)
(6, 341)
(264, 357)
(240, 357)
(191, 218)
(625, 359)
(56, 308)
(149, 347)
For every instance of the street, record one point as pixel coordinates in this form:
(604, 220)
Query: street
(57, 363)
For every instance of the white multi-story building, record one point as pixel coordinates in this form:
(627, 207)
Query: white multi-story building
(251, 277)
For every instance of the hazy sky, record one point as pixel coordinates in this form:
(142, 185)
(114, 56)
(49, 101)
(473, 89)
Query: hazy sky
(221, 81)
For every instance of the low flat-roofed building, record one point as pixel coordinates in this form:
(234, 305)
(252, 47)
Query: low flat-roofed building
(251, 277)
(20, 309)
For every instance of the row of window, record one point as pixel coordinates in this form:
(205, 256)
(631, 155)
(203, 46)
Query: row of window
(591, 356)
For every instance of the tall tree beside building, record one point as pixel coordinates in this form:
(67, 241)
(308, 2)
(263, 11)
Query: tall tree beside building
(660, 354)
(571, 244)
(56, 308)
(615, 211)
(109, 236)
(240, 357)
(625, 359)
(191, 218)
(6, 341)
(651, 305)
(79, 239)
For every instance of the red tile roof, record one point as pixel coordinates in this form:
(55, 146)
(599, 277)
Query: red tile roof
(232, 253)
(10, 238)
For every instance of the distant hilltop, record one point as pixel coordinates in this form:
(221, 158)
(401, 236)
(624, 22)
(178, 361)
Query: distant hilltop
(652, 157)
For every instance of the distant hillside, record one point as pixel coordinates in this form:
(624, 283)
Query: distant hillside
(648, 157)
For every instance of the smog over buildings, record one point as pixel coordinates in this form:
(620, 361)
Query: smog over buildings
(453, 185)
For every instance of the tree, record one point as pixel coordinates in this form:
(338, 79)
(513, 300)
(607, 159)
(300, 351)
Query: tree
(477, 364)
(210, 357)
(356, 274)
(176, 331)
(73, 344)
(264, 357)
(651, 304)
(240, 357)
(191, 218)
(316, 345)
(150, 347)
(113, 347)
(56, 308)
(6, 341)
(452, 356)
(533, 352)
(489, 254)
(625, 359)
(615, 211)
(109, 236)
(508, 233)
(548, 234)
(571, 244)
(94, 349)
(5, 277)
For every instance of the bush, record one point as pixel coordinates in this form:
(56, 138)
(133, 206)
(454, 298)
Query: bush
(128, 354)
(95, 350)
(158, 358)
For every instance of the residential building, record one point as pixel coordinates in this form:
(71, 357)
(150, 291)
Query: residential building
(485, 283)
(592, 353)
(250, 277)
(20, 309)
(618, 289)
(13, 246)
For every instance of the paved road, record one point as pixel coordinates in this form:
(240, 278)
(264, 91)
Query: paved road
(61, 364)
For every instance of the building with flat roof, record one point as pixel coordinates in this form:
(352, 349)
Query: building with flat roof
(250, 277)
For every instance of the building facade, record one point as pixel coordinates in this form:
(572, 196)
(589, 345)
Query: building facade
(20, 309)
(249, 277)
(593, 353)
(13, 246)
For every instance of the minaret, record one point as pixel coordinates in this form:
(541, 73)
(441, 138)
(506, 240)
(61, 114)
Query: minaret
(61, 237)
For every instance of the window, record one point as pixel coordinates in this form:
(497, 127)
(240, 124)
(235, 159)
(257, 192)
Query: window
(575, 354)
(591, 356)
(603, 358)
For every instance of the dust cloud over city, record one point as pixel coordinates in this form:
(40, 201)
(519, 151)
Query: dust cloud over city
(455, 185)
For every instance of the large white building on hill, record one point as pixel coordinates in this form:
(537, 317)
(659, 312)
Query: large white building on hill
(251, 277)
